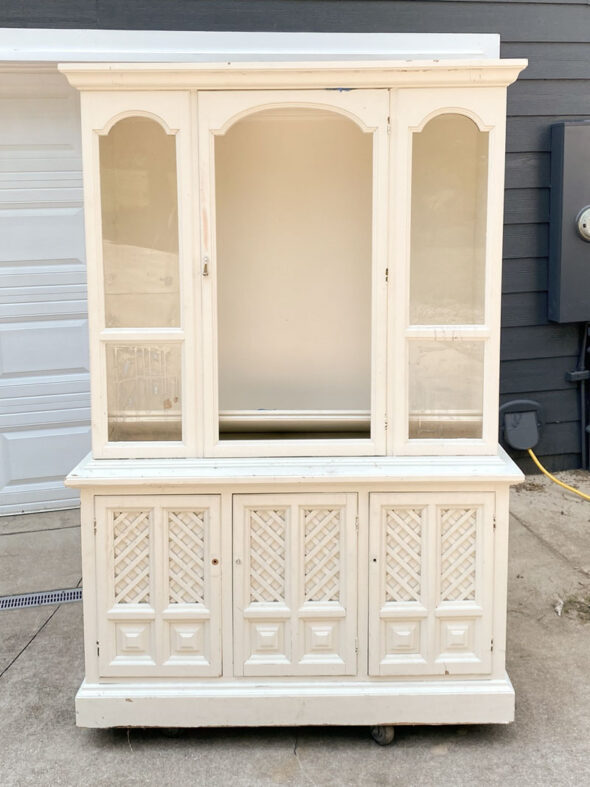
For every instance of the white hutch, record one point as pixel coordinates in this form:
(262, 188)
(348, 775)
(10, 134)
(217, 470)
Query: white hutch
(296, 509)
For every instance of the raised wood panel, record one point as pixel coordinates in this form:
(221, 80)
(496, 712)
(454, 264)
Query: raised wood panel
(159, 585)
(31, 233)
(524, 275)
(25, 452)
(48, 347)
(35, 459)
(430, 586)
(295, 584)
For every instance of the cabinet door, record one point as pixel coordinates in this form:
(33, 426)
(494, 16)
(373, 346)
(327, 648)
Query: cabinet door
(431, 570)
(158, 589)
(141, 302)
(295, 584)
(293, 201)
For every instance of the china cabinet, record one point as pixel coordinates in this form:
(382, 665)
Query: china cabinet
(296, 509)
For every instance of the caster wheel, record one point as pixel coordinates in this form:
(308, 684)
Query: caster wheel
(170, 732)
(383, 734)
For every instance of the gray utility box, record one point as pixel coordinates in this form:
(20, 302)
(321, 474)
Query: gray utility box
(569, 256)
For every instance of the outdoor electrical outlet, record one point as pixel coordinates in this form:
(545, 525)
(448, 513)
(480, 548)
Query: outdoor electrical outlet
(521, 422)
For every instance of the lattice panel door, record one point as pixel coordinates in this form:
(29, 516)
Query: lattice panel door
(431, 561)
(158, 585)
(295, 584)
(131, 556)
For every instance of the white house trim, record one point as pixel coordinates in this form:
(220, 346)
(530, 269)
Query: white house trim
(39, 44)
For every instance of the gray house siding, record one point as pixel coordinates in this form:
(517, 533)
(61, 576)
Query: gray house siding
(553, 34)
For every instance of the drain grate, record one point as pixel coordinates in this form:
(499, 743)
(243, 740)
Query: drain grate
(41, 598)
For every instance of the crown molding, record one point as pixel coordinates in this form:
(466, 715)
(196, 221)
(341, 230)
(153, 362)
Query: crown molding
(336, 75)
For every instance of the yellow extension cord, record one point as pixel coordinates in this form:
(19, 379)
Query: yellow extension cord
(552, 477)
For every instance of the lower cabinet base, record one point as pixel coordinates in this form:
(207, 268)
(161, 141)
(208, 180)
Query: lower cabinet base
(259, 703)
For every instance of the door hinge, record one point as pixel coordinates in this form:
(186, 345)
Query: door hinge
(356, 645)
(386, 423)
(494, 520)
(97, 648)
(356, 524)
(94, 527)
(492, 646)
(389, 125)
(386, 274)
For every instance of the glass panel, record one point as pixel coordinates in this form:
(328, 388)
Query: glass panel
(446, 389)
(144, 389)
(139, 225)
(449, 203)
(294, 205)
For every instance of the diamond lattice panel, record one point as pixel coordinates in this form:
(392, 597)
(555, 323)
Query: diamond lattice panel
(131, 547)
(403, 554)
(186, 557)
(268, 533)
(322, 553)
(458, 544)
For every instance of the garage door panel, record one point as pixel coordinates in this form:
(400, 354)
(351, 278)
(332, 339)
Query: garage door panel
(44, 384)
(35, 455)
(46, 346)
(32, 233)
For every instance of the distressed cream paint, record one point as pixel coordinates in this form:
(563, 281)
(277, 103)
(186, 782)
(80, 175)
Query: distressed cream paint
(326, 543)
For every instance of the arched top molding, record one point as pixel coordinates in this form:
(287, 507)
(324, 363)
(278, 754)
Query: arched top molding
(465, 112)
(295, 105)
(135, 113)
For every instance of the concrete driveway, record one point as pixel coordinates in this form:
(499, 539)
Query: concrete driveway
(41, 666)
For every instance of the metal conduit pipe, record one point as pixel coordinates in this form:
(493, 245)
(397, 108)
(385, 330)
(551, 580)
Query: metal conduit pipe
(583, 406)
(580, 375)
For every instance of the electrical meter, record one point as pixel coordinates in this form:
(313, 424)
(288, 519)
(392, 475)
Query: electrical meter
(583, 222)
(569, 255)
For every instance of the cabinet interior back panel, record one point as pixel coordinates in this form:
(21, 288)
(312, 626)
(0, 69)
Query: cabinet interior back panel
(293, 205)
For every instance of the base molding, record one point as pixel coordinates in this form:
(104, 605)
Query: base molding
(248, 703)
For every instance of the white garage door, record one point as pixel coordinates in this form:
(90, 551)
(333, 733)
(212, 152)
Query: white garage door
(44, 399)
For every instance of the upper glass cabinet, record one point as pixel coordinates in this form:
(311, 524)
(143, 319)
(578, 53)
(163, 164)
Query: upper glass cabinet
(138, 196)
(449, 190)
(290, 260)
(295, 262)
(449, 215)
